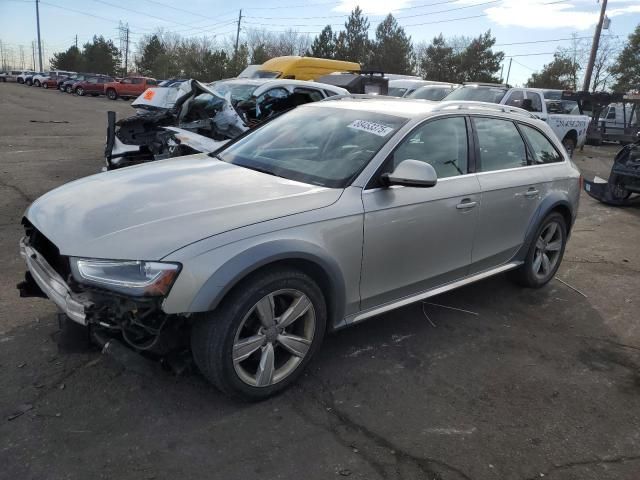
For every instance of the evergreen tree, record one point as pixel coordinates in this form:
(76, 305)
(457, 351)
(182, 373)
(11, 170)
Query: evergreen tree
(392, 49)
(101, 56)
(439, 62)
(259, 54)
(353, 43)
(626, 68)
(560, 73)
(71, 60)
(153, 60)
(324, 45)
(478, 62)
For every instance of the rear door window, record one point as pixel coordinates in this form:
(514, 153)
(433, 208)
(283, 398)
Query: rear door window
(543, 149)
(500, 144)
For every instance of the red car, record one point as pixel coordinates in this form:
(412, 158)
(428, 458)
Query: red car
(93, 85)
(53, 81)
(129, 87)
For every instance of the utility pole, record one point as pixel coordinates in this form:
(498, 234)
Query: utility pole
(501, 72)
(509, 70)
(594, 48)
(126, 51)
(33, 55)
(235, 51)
(4, 65)
(21, 49)
(76, 40)
(39, 44)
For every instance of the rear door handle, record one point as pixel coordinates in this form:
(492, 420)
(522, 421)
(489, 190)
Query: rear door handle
(532, 192)
(466, 204)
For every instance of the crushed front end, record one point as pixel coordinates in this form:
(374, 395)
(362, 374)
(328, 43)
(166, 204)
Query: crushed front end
(138, 320)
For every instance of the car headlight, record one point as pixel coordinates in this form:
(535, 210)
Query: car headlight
(137, 278)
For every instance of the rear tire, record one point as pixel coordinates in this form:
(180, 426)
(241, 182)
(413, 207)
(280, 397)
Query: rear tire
(545, 253)
(569, 145)
(45, 85)
(112, 94)
(246, 346)
(37, 83)
(80, 91)
(69, 89)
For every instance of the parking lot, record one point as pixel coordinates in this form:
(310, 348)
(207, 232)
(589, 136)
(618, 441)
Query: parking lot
(516, 384)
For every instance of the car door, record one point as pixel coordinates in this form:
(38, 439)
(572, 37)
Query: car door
(418, 238)
(125, 87)
(510, 191)
(91, 85)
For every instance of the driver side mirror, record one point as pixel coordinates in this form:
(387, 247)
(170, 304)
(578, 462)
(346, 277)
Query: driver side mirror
(411, 173)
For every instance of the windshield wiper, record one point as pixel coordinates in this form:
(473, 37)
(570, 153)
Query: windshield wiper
(250, 167)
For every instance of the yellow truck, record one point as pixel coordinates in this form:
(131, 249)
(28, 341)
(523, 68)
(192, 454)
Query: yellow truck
(302, 68)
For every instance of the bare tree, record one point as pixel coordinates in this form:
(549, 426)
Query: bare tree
(605, 59)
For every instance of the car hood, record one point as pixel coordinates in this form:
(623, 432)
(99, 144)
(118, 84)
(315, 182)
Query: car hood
(147, 211)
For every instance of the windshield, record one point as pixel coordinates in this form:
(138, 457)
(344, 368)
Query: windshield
(397, 91)
(320, 146)
(478, 93)
(239, 91)
(430, 93)
(265, 74)
(552, 94)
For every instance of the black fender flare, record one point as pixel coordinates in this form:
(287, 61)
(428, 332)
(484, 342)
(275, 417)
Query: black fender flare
(225, 278)
(554, 201)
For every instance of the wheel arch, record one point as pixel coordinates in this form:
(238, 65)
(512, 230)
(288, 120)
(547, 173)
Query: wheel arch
(304, 256)
(553, 203)
(573, 135)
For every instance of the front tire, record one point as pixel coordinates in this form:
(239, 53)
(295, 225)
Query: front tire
(37, 83)
(80, 91)
(45, 85)
(262, 336)
(112, 94)
(545, 253)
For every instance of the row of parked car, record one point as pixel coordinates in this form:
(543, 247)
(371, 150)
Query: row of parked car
(82, 84)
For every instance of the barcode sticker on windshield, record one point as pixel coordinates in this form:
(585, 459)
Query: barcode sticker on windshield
(371, 127)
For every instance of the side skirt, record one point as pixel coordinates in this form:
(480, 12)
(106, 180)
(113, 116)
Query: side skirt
(358, 317)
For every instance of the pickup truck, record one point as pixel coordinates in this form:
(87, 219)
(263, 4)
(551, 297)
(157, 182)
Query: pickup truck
(128, 87)
(571, 130)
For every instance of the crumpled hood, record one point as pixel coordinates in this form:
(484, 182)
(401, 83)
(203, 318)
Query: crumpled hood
(147, 211)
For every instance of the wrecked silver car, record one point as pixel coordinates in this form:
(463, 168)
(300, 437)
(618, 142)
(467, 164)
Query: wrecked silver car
(192, 117)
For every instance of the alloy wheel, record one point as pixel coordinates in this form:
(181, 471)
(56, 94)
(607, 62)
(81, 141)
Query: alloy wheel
(548, 248)
(274, 337)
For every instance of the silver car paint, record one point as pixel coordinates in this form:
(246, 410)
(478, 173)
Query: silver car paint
(146, 213)
(222, 235)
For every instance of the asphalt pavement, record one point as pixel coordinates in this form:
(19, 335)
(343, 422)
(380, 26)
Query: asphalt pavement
(517, 384)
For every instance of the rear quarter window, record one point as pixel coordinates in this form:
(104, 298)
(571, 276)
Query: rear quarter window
(543, 149)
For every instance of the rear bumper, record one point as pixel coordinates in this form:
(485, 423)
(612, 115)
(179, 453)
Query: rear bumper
(53, 285)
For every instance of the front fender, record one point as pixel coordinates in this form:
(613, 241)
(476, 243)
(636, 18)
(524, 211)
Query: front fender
(244, 263)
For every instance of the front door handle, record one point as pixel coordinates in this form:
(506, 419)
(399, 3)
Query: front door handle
(532, 192)
(466, 204)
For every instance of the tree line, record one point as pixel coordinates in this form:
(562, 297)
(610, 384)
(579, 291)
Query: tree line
(458, 59)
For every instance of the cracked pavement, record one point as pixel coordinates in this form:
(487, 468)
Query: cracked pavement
(539, 384)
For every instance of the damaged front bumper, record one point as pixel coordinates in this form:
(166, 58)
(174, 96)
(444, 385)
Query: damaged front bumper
(51, 284)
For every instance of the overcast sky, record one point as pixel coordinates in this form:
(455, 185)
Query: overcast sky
(548, 22)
